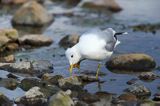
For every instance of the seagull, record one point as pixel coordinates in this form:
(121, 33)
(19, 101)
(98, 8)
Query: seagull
(95, 45)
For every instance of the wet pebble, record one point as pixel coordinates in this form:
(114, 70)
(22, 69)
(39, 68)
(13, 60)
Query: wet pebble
(10, 75)
(127, 97)
(156, 97)
(7, 59)
(9, 83)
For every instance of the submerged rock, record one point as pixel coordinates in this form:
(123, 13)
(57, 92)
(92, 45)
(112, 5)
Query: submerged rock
(25, 67)
(148, 76)
(32, 14)
(132, 62)
(73, 2)
(69, 40)
(61, 99)
(132, 81)
(10, 75)
(102, 5)
(4, 101)
(7, 59)
(88, 79)
(35, 40)
(9, 83)
(51, 79)
(33, 97)
(139, 90)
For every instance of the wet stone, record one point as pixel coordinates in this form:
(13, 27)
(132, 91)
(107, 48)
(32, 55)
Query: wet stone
(35, 40)
(31, 14)
(4, 101)
(61, 98)
(139, 90)
(131, 62)
(132, 81)
(33, 97)
(88, 79)
(69, 40)
(10, 75)
(127, 97)
(51, 79)
(156, 97)
(7, 59)
(9, 83)
(148, 76)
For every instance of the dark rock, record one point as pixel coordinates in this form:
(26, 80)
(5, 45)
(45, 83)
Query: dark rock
(32, 14)
(4, 101)
(148, 76)
(33, 97)
(51, 79)
(132, 81)
(93, 73)
(127, 97)
(88, 98)
(69, 40)
(9, 83)
(10, 75)
(35, 40)
(7, 59)
(139, 90)
(16, 2)
(61, 99)
(28, 83)
(102, 5)
(156, 97)
(131, 62)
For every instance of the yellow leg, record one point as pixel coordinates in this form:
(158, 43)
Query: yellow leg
(98, 69)
(70, 69)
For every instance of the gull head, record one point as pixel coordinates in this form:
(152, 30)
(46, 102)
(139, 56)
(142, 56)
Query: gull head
(73, 57)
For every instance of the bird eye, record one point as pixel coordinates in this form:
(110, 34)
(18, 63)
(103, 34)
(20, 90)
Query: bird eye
(72, 56)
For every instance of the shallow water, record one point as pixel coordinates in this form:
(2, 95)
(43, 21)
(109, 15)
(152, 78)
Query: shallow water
(135, 12)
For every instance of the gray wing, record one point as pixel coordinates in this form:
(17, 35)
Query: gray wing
(105, 35)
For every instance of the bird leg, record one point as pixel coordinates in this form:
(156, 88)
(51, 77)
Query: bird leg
(98, 69)
(70, 69)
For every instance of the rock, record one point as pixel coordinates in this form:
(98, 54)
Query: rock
(69, 40)
(46, 88)
(33, 97)
(132, 62)
(127, 97)
(61, 99)
(102, 5)
(32, 14)
(33, 68)
(139, 90)
(7, 59)
(28, 83)
(51, 79)
(132, 81)
(156, 97)
(16, 2)
(147, 27)
(12, 46)
(9, 83)
(92, 73)
(72, 83)
(73, 2)
(148, 76)
(10, 75)
(8, 35)
(88, 98)
(88, 79)
(4, 101)
(35, 40)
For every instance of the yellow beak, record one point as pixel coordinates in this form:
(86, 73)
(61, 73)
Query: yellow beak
(77, 65)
